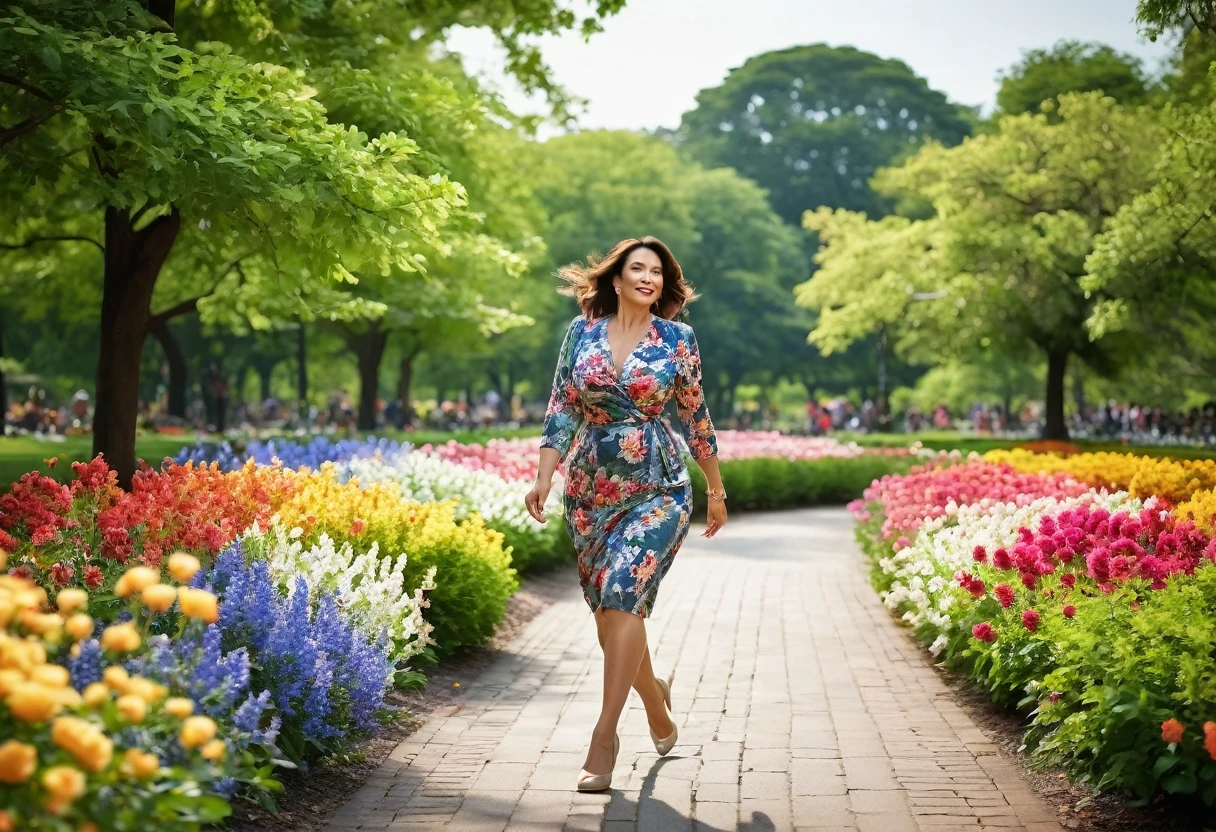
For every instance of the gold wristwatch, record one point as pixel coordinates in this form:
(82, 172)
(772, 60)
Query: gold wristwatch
(716, 494)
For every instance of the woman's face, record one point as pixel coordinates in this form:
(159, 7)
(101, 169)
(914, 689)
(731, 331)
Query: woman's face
(641, 279)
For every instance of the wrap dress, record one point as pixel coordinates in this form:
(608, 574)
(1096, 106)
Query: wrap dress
(628, 496)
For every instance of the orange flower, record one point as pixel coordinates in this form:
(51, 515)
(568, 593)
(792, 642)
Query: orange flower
(32, 702)
(121, 638)
(183, 566)
(158, 597)
(196, 730)
(79, 626)
(70, 600)
(200, 604)
(17, 762)
(136, 579)
(63, 784)
(51, 675)
(1171, 730)
(95, 694)
(140, 764)
(6, 820)
(1209, 738)
(133, 708)
(213, 750)
(179, 707)
(84, 741)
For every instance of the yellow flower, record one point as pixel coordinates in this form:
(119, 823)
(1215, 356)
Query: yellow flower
(146, 689)
(136, 763)
(51, 675)
(183, 567)
(200, 604)
(133, 708)
(64, 784)
(196, 730)
(70, 600)
(79, 626)
(158, 597)
(84, 741)
(121, 638)
(44, 624)
(32, 702)
(95, 694)
(17, 762)
(213, 750)
(116, 678)
(179, 707)
(9, 679)
(8, 608)
(136, 579)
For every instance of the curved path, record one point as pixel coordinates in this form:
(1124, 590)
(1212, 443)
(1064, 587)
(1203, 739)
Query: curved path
(801, 705)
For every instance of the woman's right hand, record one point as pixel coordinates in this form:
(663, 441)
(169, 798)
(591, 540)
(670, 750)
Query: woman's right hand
(535, 499)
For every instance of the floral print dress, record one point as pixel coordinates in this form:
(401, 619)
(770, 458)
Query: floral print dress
(628, 497)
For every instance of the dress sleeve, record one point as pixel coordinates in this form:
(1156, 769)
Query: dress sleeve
(565, 413)
(690, 398)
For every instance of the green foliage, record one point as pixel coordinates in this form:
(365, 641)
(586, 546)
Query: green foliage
(764, 483)
(812, 124)
(1158, 16)
(1071, 66)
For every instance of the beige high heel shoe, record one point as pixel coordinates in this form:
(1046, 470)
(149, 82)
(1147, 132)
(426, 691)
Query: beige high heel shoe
(588, 782)
(664, 746)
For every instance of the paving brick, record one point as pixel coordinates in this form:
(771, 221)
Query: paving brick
(801, 705)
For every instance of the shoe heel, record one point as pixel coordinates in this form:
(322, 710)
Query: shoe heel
(588, 782)
(665, 744)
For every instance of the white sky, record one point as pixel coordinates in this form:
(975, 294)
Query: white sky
(646, 68)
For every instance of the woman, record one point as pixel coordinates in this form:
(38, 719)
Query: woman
(628, 494)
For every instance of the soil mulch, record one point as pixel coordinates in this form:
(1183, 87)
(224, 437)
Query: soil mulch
(311, 797)
(1077, 806)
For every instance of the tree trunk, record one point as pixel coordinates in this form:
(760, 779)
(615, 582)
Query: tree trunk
(133, 260)
(369, 350)
(265, 371)
(405, 378)
(1057, 365)
(3, 395)
(302, 370)
(177, 369)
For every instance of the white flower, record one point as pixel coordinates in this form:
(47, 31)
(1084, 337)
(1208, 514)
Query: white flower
(938, 645)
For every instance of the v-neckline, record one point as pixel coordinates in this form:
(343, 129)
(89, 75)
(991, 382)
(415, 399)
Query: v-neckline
(617, 373)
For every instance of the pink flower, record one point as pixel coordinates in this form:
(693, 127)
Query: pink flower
(902, 543)
(1030, 620)
(22, 571)
(1069, 610)
(1004, 594)
(984, 632)
(1029, 580)
(1054, 697)
(980, 555)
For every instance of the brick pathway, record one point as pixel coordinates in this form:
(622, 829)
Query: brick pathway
(801, 705)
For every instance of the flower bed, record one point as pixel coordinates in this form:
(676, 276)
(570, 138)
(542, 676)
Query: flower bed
(1092, 610)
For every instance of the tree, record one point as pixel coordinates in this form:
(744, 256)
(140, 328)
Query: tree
(1002, 263)
(1071, 66)
(1157, 16)
(159, 133)
(811, 125)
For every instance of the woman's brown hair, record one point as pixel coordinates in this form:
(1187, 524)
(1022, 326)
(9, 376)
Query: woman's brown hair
(591, 285)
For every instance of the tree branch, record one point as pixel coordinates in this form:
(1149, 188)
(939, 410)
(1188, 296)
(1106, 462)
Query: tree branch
(32, 90)
(29, 125)
(64, 238)
(182, 308)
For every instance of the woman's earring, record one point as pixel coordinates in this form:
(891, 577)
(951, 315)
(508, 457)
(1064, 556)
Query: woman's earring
(618, 290)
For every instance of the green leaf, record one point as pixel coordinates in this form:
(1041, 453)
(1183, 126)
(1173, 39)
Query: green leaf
(50, 57)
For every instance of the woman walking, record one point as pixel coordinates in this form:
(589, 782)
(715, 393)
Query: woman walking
(628, 495)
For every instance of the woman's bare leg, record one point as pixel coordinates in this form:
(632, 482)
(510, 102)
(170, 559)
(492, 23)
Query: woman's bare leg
(623, 638)
(647, 686)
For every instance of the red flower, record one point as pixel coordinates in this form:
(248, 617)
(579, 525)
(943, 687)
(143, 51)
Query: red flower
(1209, 738)
(1054, 697)
(1004, 594)
(1069, 610)
(1171, 730)
(61, 573)
(641, 388)
(980, 555)
(22, 571)
(1029, 580)
(1001, 559)
(92, 577)
(1068, 579)
(984, 632)
(357, 526)
(1030, 620)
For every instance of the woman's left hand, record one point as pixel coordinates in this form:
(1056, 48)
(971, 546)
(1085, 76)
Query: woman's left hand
(717, 517)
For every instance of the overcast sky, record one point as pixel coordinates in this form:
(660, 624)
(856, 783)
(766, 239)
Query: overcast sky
(646, 68)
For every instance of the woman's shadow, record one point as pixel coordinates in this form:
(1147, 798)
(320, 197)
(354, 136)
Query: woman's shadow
(654, 813)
